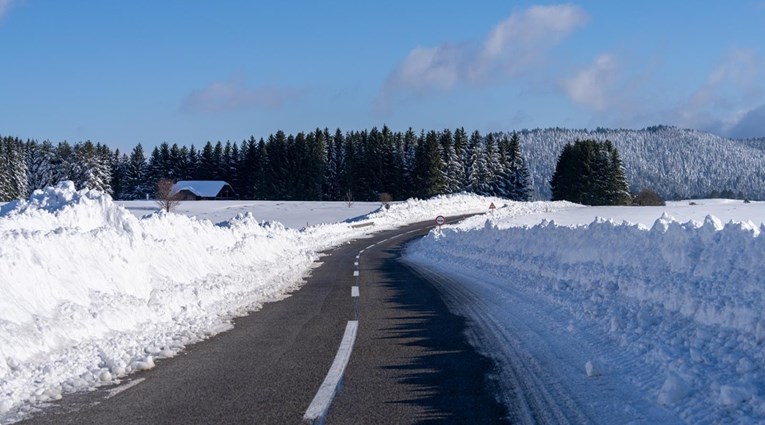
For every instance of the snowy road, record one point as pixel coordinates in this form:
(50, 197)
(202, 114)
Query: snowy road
(411, 361)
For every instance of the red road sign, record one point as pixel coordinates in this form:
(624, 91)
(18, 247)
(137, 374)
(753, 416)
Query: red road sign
(491, 207)
(440, 220)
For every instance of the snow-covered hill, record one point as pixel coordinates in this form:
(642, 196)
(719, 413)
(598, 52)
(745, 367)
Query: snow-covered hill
(672, 161)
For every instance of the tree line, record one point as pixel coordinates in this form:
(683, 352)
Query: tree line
(313, 166)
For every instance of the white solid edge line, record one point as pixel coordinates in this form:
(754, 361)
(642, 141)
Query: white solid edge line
(355, 272)
(320, 404)
(354, 291)
(125, 387)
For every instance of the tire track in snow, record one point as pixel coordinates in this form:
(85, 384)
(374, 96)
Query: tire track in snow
(533, 395)
(541, 362)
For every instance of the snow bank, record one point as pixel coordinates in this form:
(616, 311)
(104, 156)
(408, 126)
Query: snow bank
(687, 301)
(90, 293)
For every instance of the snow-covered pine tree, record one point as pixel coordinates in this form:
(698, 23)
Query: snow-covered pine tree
(5, 173)
(454, 172)
(13, 169)
(494, 166)
(137, 183)
(478, 173)
(119, 166)
(40, 165)
(63, 163)
(453, 169)
(175, 162)
(505, 181)
(460, 146)
(520, 179)
(90, 168)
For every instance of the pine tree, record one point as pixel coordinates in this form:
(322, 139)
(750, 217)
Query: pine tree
(316, 157)
(232, 166)
(248, 171)
(618, 189)
(63, 165)
(91, 168)
(428, 166)
(590, 173)
(206, 168)
(494, 167)
(5, 173)
(261, 187)
(40, 165)
(517, 172)
(218, 166)
(119, 166)
(277, 176)
(137, 183)
(13, 169)
(330, 190)
(193, 163)
(410, 149)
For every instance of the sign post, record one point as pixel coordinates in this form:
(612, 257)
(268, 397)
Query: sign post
(492, 207)
(440, 220)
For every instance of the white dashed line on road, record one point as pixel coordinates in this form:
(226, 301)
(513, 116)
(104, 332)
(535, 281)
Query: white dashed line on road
(125, 387)
(320, 404)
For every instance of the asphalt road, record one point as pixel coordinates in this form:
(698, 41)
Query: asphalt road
(411, 362)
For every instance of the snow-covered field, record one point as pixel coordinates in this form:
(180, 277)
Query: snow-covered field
(292, 214)
(90, 292)
(603, 321)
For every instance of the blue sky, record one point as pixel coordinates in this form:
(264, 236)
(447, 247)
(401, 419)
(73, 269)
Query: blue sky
(191, 71)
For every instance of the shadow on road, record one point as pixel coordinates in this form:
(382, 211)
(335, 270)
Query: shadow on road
(450, 377)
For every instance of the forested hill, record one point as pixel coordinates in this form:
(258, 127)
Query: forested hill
(675, 162)
(324, 165)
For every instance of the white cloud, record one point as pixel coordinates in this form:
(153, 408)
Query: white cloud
(592, 87)
(234, 94)
(749, 124)
(510, 50)
(729, 100)
(522, 39)
(428, 69)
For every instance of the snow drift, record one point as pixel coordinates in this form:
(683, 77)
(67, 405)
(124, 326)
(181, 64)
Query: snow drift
(90, 293)
(685, 302)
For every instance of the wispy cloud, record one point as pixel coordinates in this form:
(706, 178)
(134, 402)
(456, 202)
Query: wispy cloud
(5, 5)
(510, 50)
(592, 86)
(730, 101)
(729, 98)
(234, 94)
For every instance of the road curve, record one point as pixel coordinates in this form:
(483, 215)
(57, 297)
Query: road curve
(411, 362)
